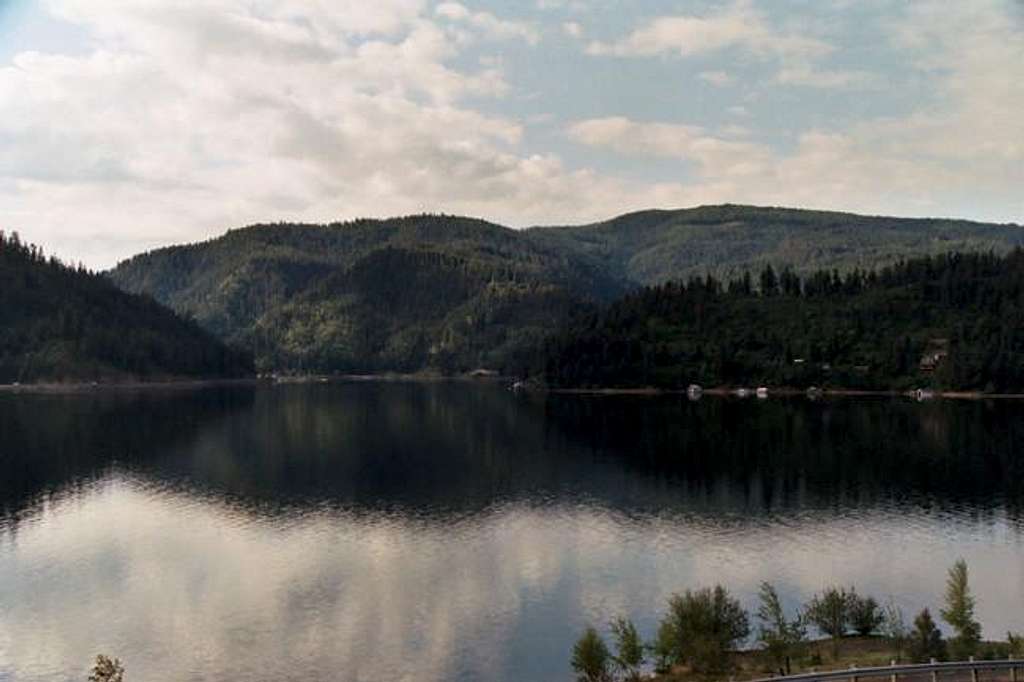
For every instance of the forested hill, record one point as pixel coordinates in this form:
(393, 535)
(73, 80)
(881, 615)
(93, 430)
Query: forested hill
(653, 247)
(954, 322)
(59, 323)
(405, 294)
(457, 294)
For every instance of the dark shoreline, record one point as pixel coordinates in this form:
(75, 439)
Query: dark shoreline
(787, 393)
(427, 378)
(58, 388)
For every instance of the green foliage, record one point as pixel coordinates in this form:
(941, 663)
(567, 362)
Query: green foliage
(590, 658)
(107, 670)
(926, 641)
(959, 613)
(652, 247)
(781, 637)
(629, 649)
(408, 294)
(59, 323)
(866, 616)
(701, 628)
(948, 321)
(455, 294)
(830, 612)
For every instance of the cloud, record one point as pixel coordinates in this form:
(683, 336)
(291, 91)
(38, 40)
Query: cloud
(806, 75)
(185, 120)
(573, 29)
(719, 79)
(715, 156)
(738, 26)
(961, 152)
(171, 122)
(490, 25)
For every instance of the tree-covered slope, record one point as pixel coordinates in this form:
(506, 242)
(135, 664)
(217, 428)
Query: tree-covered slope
(402, 294)
(652, 247)
(953, 321)
(456, 293)
(63, 324)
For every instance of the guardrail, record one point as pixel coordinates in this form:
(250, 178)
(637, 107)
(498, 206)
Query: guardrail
(893, 672)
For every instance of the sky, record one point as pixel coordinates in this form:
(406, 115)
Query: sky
(131, 124)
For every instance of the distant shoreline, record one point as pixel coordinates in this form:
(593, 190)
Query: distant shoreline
(57, 388)
(429, 378)
(788, 393)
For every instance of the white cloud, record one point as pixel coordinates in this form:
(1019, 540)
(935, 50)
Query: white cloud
(573, 29)
(739, 26)
(716, 156)
(182, 120)
(719, 79)
(490, 25)
(806, 75)
(570, 5)
(189, 119)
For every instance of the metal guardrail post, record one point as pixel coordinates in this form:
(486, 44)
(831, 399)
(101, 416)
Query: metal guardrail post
(935, 674)
(974, 671)
(892, 678)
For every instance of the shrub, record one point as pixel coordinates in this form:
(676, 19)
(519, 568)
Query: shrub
(107, 670)
(590, 657)
(865, 614)
(701, 628)
(830, 613)
(629, 649)
(926, 640)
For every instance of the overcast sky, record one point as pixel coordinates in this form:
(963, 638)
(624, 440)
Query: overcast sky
(129, 124)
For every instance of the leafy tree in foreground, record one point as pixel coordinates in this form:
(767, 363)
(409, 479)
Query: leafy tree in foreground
(591, 658)
(629, 649)
(925, 640)
(866, 616)
(107, 670)
(830, 613)
(780, 637)
(701, 628)
(959, 613)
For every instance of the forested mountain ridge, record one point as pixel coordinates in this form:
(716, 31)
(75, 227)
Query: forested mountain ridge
(372, 295)
(652, 247)
(64, 324)
(954, 321)
(455, 294)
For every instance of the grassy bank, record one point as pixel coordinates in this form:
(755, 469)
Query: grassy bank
(818, 656)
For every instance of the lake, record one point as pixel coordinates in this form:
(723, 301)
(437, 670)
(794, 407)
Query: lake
(454, 531)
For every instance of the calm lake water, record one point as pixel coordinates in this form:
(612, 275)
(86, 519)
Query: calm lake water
(459, 532)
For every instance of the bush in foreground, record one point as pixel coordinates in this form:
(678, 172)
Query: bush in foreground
(591, 658)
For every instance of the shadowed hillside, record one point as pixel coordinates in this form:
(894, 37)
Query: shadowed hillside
(63, 324)
(404, 294)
